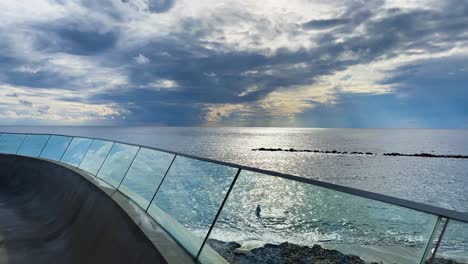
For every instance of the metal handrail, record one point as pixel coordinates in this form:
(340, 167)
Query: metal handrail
(435, 210)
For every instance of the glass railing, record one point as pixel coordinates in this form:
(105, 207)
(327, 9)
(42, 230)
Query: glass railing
(226, 213)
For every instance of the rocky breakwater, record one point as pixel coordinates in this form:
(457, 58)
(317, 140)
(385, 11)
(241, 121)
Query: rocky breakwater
(314, 151)
(336, 152)
(426, 155)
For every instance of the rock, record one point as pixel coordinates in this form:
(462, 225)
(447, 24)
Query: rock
(239, 252)
(233, 245)
(394, 154)
(442, 261)
(282, 253)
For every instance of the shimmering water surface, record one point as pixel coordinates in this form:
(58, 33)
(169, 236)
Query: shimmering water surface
(442, 182)
(291, 211)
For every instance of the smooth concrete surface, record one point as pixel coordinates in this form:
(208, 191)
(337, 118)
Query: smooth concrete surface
(51, 214)
(171, 251)
(169, 248)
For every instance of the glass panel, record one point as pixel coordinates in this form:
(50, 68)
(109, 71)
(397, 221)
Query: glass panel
(189, 199)
(76, 151)
(116, 165)
(33, 145)
(268, 219)
(95, 156)
(10, 143)
(145, 175)
(454, 245)
(56, 147)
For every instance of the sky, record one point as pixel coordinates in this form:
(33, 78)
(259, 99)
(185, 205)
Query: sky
(294, 63)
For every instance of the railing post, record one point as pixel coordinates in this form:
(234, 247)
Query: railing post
(47, 142)
(162, 180)
(86, 153)
(431, 239)
(434, 253)
(65, 151)
(22, 142)
(107, 155)
(218, 213)
(131, 163)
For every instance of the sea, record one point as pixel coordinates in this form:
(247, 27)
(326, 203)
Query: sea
(436, 181)
(441, 182)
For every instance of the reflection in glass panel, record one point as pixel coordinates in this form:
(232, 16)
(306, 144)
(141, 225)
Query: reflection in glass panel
(55, 147)
(10, 143)
(454, 244)
(95, 156)
(116, 165)
(33, 145)
(298, 221)
(76, 151)
(189, 198)
(145, 175)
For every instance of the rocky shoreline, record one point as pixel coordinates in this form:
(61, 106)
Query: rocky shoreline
(393, 154)
(442, 261)
(282, 253)
(291, 254)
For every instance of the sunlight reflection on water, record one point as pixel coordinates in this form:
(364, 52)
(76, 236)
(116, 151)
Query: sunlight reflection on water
(441, 182)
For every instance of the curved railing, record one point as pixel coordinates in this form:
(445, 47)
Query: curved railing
(205, 204)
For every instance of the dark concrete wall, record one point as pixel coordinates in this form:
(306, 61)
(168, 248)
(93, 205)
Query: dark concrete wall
(50, 214)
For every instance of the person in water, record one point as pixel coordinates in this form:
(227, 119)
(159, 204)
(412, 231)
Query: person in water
(258, 210)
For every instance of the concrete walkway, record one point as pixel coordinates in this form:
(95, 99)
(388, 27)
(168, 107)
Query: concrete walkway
(50, 214)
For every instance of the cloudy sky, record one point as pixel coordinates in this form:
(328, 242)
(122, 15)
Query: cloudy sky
(306, 63)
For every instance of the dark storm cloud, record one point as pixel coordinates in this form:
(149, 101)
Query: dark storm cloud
(161, 107)
(325, 23)
(384, 37)
(36, 80)
(156, 6)
(207, 75)
(9, 67)
(159, 6)
(75, 39)
(85, 42)
(395, 33)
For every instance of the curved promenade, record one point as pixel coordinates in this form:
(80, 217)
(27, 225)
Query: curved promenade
(84, 200)
(51, 214)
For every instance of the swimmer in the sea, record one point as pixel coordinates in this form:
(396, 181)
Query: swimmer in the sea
(258, 210)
